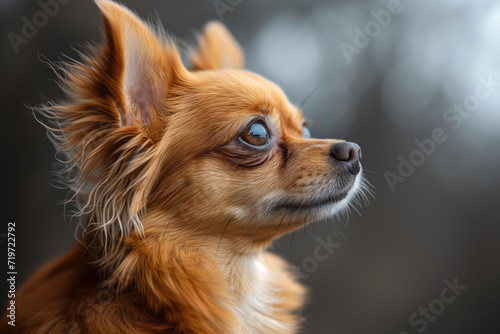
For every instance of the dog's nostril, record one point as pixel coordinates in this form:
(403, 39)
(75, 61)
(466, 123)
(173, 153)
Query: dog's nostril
(346, 151)
(352, 153)
(347, 154)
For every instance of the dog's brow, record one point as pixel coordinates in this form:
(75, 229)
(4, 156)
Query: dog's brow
(265, 109)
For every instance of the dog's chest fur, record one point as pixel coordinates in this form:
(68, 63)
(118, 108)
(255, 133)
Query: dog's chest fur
(266, 294)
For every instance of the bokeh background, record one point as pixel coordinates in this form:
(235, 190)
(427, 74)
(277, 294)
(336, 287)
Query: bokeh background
(392, 257)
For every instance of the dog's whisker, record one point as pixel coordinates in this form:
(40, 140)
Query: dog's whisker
(354, 207)
(331, 226)
(172, 217)
(281, 221)
(347, 216)
(218, 245)
(338, 232)
(255, 230)
(304, 227)
(370, 171)
(291, 243)
(216, 227)
(310, 94)
(314, 235)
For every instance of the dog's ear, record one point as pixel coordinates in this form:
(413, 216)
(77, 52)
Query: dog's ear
(135, 68)
(116, 113)
(217, 49)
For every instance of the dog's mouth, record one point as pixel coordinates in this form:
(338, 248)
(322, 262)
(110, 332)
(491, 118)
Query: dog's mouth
(308, 204)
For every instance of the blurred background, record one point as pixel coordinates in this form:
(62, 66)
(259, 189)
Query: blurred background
(383, 74)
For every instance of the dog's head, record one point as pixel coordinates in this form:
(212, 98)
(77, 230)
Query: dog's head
(193, 148)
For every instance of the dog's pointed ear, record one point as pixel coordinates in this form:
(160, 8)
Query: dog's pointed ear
(135, 68)
(217, 49)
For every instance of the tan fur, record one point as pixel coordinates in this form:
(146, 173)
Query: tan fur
(175, 214)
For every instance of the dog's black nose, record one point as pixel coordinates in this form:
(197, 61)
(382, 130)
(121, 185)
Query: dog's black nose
(347, 154)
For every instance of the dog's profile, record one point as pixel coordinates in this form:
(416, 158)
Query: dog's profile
(182, 179)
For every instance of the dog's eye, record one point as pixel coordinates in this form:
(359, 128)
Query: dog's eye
(255, 134)
(306, 133)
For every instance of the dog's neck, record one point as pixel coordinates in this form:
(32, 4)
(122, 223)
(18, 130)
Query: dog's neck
(248, 277)
(258, 282)
(225, 284)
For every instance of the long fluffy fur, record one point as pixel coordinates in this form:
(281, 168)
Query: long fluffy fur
(105, 165)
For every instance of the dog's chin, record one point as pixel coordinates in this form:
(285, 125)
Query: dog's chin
(333, 208)
(323, 206)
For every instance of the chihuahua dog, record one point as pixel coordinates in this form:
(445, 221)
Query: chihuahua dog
(182, 179)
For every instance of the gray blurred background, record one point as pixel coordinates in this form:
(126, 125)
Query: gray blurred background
(441, 223)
